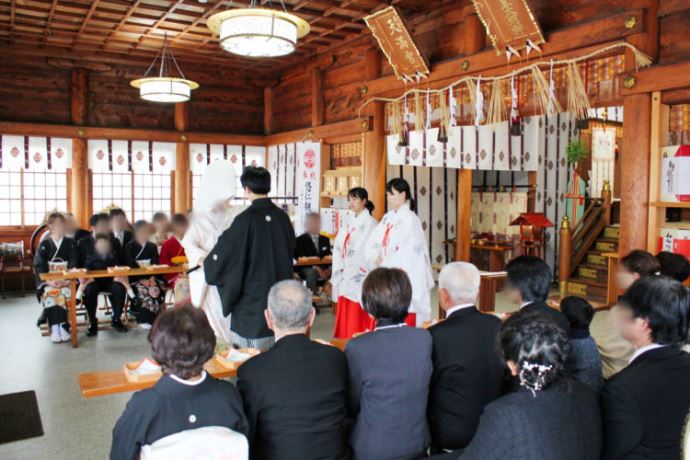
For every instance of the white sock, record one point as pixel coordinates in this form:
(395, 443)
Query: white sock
(130, 293)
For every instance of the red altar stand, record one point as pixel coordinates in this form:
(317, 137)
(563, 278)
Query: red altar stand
(532, 225)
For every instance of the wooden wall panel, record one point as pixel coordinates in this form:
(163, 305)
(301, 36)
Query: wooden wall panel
(673, 43)
(292, 102)
(342, 90)
(32, 92)
(227, 109)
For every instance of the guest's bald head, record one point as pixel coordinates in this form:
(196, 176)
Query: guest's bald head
(289, 305)
(459, 284)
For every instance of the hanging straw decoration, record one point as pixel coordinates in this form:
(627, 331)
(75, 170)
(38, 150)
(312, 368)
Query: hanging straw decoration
(514, 113)
(396, 120)
(445, 118)
(453, 109)
(578, 103)
(545, 98)
(497, 110)
(404, 139)
(418, 114)
(548, 103)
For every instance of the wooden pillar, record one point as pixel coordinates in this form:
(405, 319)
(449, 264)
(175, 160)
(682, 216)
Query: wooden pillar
(79, 178)
(635, 147)
(374, 143)
(317, 101)
(475, 41)
(183, 190)
(269, 94)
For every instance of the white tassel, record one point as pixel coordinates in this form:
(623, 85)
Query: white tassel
(427, 125)
(453, 103)
(513, 97)
(552, 90)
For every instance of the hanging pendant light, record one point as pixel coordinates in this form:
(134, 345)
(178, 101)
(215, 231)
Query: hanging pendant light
(165, 87)
(258, 32)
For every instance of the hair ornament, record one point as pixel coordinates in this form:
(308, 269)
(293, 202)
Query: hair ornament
(537, 384)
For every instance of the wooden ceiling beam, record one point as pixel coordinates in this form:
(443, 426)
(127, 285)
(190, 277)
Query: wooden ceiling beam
(122, 22)
(84, 24)
(158, 23)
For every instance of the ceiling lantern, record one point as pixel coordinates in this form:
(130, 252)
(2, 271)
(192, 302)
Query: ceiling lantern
(170, 85)
(258, 32)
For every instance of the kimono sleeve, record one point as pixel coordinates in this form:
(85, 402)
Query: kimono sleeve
(41, 262)
(190, 242)
(154, 254)
(129, 433)
(225, 264)
(251, 411)
(130, 256)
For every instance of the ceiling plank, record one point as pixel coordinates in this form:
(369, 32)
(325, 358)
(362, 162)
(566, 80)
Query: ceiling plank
(51, 15)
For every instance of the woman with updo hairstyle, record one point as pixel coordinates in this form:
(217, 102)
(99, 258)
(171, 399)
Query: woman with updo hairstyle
(346, 278)
(549, 415)
(399, 241)
(185, 398)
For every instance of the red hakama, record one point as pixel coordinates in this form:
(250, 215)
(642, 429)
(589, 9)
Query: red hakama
(351, 319)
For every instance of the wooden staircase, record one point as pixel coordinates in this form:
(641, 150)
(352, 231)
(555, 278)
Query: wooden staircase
(583, 270)
(591, 275)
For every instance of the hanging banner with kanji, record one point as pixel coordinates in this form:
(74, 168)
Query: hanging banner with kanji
(308, 155)
(396, 43)
(509, 23)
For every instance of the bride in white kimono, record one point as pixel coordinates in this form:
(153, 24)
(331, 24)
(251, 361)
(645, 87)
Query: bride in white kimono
(399, 242)
(211, 216)
(346, 277)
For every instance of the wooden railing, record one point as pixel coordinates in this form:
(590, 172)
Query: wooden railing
(576, 241)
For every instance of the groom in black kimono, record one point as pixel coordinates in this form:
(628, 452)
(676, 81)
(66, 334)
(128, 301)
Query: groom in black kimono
(249, 258)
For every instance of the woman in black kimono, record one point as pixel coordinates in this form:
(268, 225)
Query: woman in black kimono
(149, 290)
(53, 295)
(186, 397)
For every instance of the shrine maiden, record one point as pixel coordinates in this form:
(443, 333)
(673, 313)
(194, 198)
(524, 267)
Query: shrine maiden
(212, 215)
(346, 277)
(398, 241)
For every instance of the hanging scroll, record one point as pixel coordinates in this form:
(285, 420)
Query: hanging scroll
(397, 44)
(510, 25)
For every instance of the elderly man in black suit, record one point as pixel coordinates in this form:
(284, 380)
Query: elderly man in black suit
(295, 394)
(468, 371)
(644, 405)
(529, 279)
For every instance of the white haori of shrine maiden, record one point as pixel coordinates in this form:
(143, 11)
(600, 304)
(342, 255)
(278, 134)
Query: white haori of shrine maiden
(348, 257)
(399, 242)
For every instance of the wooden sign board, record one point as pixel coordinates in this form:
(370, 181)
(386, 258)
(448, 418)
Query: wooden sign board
(509, 23)
(397, 44)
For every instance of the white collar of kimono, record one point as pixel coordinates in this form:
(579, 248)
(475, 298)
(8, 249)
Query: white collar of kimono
(187, 382)
(58, 242)
(217, 184)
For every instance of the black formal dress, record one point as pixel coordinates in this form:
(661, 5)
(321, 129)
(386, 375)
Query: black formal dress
(86, 257)
(48, 252)
(644, 406)
(295, 399)
(124, 238)
(468, 374)
(557, 316)
(248, 259)
(150, 292)
(306, 247)
(79, 234)
(390, 370)
(171, 407)
(561, 422)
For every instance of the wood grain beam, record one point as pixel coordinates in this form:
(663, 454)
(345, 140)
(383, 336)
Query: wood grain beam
(323, 132)
(658, 78)
(122, 22)
(158, 23)
(51, 15)
(317, 99)
(269, 123)
(84, 24)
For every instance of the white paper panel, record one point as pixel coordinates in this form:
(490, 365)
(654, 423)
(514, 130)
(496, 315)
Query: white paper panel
(164, 157)
(217, 152)
(273, 168)
(61, 153)
(515, 152)
(396, 154)
(197, 158)
(485, 147)
(38, 153)
(140, 156)
(120, 154)
(501, 160)
(98, 154)
(255, 155)
(416, 148)
(434, 148)
(308, 181)
(282, 171)
(453, 150)
(469, 147)
(234, 154)
(291, 177)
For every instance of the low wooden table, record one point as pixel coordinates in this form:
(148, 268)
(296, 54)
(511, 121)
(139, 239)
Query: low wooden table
(489, 283)
(311, 261)
(497, 255)
(110, 382)
(73, 278)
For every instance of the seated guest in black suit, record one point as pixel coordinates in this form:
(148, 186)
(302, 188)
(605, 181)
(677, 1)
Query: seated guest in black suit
(91, 257)
(468, 371)
(122, 230)
(185, 397)
(529, 279)
(390, 370)
(312, 244)
(72, 230)
(149, 290)
(674, 266)
(584, 363)
(57, 247)
(295, 394)
(645, 404)
(549, 416)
